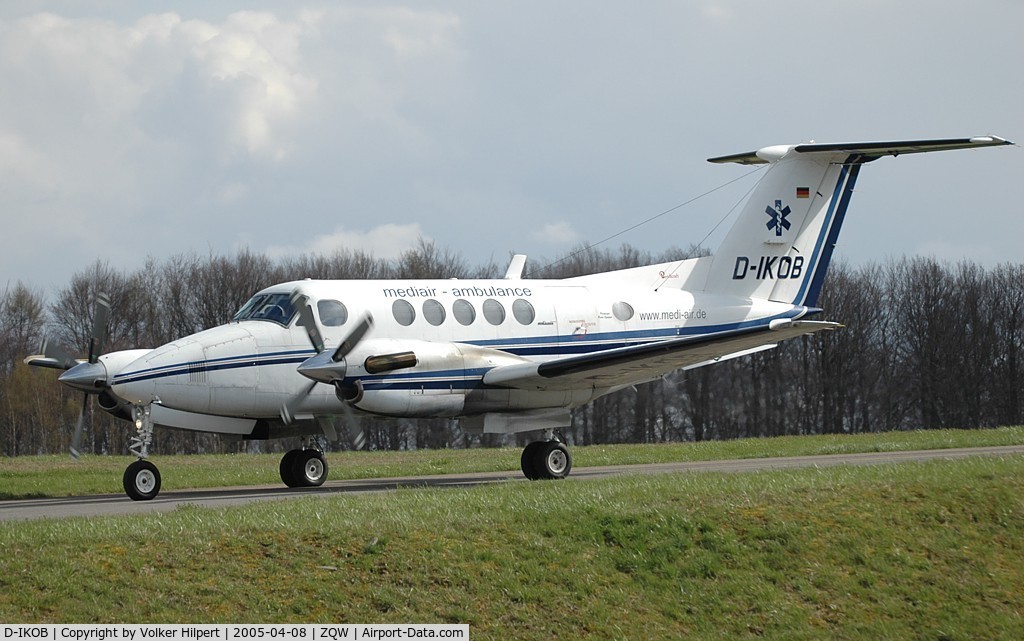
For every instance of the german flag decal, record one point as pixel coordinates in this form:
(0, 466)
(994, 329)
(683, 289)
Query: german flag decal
(803, 192)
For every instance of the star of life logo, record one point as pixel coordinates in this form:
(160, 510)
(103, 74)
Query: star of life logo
(778, 215)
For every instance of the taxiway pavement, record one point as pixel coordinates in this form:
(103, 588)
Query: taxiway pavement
(115, 504)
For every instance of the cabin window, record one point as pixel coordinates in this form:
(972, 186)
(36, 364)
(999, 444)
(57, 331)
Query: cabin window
(464, 312)
(494, 312)
(403, 312)
(433, 311)
(333, 313)
(622, 311)
(523, 311)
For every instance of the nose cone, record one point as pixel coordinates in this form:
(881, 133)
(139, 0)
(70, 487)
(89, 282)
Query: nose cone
(87, 377)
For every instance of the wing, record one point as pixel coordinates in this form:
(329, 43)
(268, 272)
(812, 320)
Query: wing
(637, 364)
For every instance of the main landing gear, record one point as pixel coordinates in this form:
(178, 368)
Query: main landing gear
(303, 468)
(547, 459)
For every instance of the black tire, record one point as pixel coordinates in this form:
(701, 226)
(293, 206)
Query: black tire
(528, 461)
(141, 481)
(287, 468)
(309, 468)
(553, 460)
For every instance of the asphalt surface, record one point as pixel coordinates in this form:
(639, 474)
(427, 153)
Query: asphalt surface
(114, 504)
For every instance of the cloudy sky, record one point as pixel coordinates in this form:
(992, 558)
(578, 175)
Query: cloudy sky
(135, 129)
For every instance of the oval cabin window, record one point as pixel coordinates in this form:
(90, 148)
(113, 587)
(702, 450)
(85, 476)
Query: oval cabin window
(523, 310)
(464, 312)
(433, 311)
(494, 312)
(403, 312)
(622, 311)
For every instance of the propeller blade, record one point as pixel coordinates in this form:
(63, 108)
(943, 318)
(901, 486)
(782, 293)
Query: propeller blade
(359, 440)
(76, 439)
(327, 426)
(356, 335)
(355, 428)
(99, 326)
(57, 357)
(292, 404)
(301, 302)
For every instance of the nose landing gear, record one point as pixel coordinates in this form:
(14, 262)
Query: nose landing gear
(141, 480)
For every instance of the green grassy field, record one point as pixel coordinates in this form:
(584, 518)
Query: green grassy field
(911, 551)
(52, 476)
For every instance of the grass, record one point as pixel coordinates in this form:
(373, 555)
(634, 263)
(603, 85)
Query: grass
(53, 476)
(911, 551)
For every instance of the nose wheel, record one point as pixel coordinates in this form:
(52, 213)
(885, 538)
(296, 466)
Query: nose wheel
(141, 481)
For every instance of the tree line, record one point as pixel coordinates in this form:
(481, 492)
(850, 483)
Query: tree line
(925, 344)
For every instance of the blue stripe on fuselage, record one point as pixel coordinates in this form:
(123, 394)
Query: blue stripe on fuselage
(550, 346)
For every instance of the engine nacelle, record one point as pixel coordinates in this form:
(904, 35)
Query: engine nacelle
(435, 385)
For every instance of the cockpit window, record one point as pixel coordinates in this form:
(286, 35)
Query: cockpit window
(269, 307)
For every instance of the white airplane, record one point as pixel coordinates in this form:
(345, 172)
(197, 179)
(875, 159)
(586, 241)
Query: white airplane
(503, 355)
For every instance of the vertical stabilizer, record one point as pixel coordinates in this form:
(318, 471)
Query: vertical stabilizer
(780, 246)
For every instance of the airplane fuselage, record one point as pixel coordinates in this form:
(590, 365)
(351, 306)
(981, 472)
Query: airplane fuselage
(457, 329)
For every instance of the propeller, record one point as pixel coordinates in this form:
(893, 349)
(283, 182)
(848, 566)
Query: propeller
(99, 337)
(89, 376)
(325, 366)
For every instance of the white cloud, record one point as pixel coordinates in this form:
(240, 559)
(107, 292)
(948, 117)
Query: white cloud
(557, 233)
(217, 123)
(384, 241)
(247, 69)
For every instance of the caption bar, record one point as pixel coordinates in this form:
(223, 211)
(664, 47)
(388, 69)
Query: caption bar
(233, 632)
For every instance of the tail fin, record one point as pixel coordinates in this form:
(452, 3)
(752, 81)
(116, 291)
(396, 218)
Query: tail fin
(781, 244)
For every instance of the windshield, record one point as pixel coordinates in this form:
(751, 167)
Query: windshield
(269, 307)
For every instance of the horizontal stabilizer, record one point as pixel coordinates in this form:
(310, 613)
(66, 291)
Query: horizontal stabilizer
(869, 150)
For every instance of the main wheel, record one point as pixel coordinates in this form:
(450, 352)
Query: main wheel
(310, 468)
(552, 460)
(141, 481)
(528, 461)
(287, 468)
